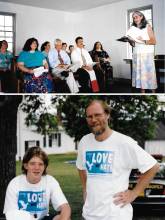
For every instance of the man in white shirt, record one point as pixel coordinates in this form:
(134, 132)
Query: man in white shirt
(105, 160)
(59, 61)
(88, 78)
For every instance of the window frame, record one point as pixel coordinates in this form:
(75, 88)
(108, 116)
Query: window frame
(14, 28)
(55, 139)
(44, 140)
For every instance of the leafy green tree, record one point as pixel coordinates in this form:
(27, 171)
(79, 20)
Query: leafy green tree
(132, 115)
(38, 114)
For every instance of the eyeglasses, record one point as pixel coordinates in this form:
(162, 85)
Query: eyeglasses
(95, 116)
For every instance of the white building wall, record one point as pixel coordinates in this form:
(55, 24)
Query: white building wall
(25, 133)
(67, 145)
(155, 147)
(106, 24)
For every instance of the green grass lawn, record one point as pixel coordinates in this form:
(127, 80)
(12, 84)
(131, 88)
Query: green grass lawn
(68, 177)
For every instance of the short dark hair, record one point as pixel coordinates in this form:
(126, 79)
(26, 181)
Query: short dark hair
(44, 45)
(5, 41)
(35, 152)
(78, 38)
(104, 105)
(1, 44)
(64, 44)
(28, 43)
(70, 46)
(143, 21)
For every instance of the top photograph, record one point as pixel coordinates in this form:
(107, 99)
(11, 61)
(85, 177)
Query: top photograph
(82, 47)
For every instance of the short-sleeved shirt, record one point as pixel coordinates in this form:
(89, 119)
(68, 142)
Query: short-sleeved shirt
(31, 59)
(108, 165)
(33, 198)
(5, 60)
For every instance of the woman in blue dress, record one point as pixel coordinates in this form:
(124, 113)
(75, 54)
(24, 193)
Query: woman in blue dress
(29, 59)
(45, 48)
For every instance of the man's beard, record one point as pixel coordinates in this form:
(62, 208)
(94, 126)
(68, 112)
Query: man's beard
(97, 132)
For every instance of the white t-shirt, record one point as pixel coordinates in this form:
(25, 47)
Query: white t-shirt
(34, 198)
(108, 164)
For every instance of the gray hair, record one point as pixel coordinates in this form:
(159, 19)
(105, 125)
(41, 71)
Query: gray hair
(138, 13)
(56, 41)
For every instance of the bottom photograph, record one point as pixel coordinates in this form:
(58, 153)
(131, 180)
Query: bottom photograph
(82, 157)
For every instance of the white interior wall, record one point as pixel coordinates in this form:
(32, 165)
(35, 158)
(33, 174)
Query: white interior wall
(163, 20)
(43, 24)
(106, 24)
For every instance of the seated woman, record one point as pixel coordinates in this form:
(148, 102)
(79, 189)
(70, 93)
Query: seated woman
(45, 48)
(6, 75)
(33, 190)
(98, 54)
(29, 59)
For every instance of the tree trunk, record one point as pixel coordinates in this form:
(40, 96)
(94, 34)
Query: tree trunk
(8, 127)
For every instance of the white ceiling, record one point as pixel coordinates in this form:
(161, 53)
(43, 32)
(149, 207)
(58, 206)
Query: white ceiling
(64, 5)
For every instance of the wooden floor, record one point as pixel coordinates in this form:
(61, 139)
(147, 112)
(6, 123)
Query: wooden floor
(124, 86)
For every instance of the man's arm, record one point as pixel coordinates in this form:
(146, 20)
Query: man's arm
(83, 178)
(65, 213)
(130, 195)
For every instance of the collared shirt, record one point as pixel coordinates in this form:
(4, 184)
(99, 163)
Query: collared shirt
(76, 56)
(54, 59)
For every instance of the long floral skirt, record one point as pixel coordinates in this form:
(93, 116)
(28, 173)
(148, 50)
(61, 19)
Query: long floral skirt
(42, 84)
(143, 73)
